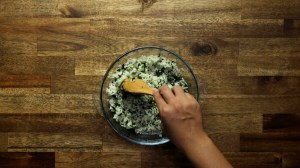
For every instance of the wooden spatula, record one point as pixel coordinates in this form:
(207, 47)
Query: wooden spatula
(137, 86)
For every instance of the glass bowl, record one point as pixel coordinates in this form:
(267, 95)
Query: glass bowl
(130, 135)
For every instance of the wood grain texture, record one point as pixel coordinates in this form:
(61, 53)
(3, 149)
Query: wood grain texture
(226, 142)
(189, 10)
(24, 65)
(27, 160)
(51, 142)
(270, 142)
(53, 55)
(23, 91)
(218, 123)
(31, 28)
(292, 27)
(281, 123)
(177, 159)
(164, 160)
(77, 9)
(242, 104)
(255, 159)
(270, 9)
(24, 30)
(52, 123)
(210, 55)
(222, 54)
(24, 81)
(75, 84)
(94, 9)
(58, 45)
(93, 65)
(97, 159)
(65, 37)
(15, 46)
(290, 160)
(153, 28)
(29, 9)
(53, 9)
(3, 141)
(207, 48)
(47, 103)
(269, 57)
(224, 83)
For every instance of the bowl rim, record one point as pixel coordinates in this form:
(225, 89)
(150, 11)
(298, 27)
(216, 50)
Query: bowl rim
(149, 143)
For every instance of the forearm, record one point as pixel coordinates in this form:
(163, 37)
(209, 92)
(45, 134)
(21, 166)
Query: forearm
(203, 153)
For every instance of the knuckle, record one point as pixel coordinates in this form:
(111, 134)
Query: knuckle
(177, 106)
(165, 110)
(164, 88)
(177, 87)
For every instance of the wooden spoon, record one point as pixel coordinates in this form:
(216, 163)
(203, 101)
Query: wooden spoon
(137, 86)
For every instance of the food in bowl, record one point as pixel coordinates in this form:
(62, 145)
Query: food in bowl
(138, 111)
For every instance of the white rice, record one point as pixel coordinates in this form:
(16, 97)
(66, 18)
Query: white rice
(139, 112)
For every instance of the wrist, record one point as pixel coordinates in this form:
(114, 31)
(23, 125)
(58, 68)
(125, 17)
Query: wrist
(199, 141)
(198, 148)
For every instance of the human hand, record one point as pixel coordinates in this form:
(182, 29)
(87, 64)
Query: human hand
(181, 116)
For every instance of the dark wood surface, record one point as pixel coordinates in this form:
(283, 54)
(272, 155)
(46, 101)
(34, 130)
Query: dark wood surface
(54, 53)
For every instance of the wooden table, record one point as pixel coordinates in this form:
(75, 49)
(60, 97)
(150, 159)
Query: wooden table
(53, 54)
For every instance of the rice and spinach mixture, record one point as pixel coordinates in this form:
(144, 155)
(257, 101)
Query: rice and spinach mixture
(139, 111)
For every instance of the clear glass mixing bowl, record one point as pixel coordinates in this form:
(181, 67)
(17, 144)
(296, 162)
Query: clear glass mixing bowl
(130, 135)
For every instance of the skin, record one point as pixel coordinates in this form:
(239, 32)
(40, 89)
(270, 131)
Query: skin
(182, 122)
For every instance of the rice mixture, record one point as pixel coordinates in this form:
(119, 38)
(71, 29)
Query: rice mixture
(139, 112)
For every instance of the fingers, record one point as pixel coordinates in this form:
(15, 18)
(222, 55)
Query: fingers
(167, 94)
(178, 90)
(160, 102)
